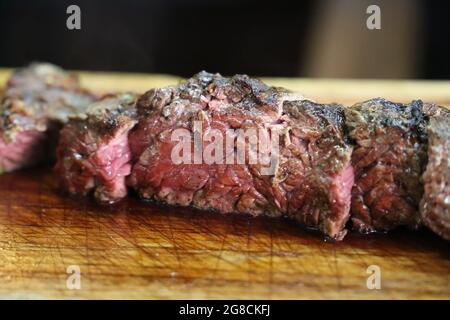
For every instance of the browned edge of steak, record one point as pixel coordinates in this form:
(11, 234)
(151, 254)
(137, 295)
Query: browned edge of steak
(93, 152)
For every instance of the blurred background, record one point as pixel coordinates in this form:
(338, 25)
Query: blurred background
(316, 38)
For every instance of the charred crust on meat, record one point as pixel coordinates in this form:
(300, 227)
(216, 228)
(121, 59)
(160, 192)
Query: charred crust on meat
(379, 112)
(109, 114)
(247, 93)
(326, 114)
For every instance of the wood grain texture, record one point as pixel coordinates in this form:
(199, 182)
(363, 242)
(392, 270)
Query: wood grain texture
(141, 250)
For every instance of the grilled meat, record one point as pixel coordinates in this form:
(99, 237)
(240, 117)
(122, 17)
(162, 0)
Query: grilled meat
(93, 152)
(37, 100)
(236, 145)
(388, 159)
(315, 176)
(311, 144)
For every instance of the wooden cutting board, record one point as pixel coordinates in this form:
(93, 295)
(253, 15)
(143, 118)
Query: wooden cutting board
(141, 250)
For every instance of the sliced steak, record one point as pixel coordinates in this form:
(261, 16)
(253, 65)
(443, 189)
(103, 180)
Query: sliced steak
(435, 205)
(220, 104)
(388, 160)
(312, 151)
(37, 100)
(315, 175)
(93, 152)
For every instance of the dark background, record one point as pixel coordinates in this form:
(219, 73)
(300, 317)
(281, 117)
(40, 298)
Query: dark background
(183, 37)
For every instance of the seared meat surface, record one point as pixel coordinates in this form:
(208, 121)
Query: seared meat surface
(37, 100)
(93, 152)
(388, 159)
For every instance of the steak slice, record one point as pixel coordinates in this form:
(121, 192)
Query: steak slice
(313, 178)
(388, 160)
(311, 142)
(37, 100)
(219, 104)
(93, 152)
(315, 175)
(435, 204)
